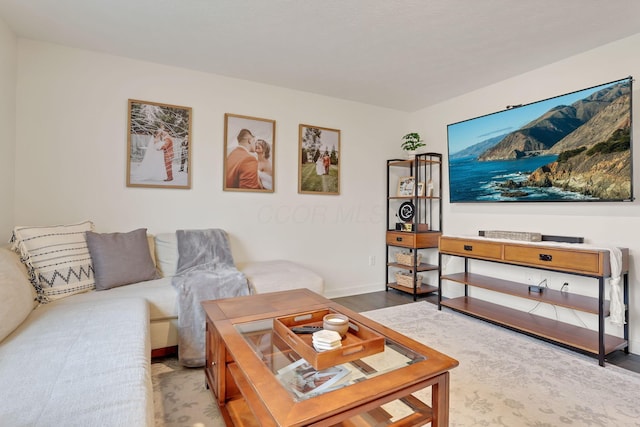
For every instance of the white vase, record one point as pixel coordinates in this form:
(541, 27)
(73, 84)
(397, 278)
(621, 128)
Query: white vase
(410, 154)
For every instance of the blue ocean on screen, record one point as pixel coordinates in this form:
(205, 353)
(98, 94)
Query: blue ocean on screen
(471, 180)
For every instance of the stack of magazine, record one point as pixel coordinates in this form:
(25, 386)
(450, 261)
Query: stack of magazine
(304, 381)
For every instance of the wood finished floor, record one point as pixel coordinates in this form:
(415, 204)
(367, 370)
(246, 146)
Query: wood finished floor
(382, 299)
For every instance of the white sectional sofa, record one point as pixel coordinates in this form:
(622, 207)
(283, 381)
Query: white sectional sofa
(85, 359)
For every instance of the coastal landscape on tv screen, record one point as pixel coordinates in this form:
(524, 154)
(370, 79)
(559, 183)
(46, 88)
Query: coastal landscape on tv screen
(573, 147)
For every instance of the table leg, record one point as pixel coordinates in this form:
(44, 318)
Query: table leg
(440, 401)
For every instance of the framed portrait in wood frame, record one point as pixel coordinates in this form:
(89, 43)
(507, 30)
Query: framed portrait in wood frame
(249, 153)
(158, 145)
(318, 160)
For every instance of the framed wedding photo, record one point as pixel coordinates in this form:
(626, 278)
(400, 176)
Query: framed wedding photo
(249, 152)
(318, 160)
(158, 145)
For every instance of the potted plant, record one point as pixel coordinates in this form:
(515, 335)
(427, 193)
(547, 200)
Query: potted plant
(411, 142)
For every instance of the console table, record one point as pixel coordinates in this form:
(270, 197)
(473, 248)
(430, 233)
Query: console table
(577, 260)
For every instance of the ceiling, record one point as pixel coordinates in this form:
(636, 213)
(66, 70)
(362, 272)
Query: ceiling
(404, 55)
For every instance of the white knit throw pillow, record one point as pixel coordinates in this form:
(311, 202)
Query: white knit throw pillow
(57, 259)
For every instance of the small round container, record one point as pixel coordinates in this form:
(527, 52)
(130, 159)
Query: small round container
(336, 322)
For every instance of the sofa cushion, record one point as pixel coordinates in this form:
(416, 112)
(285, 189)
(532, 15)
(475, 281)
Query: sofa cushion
(159, 293)
(80, 364)
(167, 253)
(120, 258)
(17, 296)
(57, 259)
(151, 241)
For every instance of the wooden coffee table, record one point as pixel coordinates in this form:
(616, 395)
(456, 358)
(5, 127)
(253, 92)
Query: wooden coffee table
(258, 380)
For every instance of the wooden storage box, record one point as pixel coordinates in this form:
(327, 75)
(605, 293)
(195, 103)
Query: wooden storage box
(359, 342)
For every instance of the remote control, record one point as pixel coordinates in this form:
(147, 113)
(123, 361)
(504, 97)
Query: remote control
(306, 329)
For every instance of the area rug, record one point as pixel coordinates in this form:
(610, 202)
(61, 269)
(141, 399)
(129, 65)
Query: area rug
(180, 396)
(509, 379)
(504, 378)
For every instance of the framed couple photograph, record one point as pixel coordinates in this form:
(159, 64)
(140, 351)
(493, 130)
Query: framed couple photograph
(318, 160)
(158, 145)
(249, 152)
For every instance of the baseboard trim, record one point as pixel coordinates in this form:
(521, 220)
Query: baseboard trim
(164, 351)
(356, 290)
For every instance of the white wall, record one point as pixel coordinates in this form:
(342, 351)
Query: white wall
(71, 156)
(599, 223)
(71, 159)
(8, 65)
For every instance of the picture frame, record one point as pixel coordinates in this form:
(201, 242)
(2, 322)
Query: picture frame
(429, 189)
(318, 160)
(249, 154)
(159, 145)
(421, 189)
(406, 186)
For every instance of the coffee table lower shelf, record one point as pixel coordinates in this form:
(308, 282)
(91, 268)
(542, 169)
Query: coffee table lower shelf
(238, 410)
(240, 414)
(531, 324)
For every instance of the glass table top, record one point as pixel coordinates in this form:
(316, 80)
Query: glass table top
(301, 380)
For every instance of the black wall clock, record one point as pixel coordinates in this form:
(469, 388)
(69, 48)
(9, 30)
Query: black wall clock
(406, 211)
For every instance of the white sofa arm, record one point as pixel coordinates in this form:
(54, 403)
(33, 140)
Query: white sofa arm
(280, 275)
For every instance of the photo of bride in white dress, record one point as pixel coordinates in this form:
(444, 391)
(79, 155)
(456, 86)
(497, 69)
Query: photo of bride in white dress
(151, 168)
(319, 166)
(265, 168)
(258, 176)
(319, 157)
(157, 132)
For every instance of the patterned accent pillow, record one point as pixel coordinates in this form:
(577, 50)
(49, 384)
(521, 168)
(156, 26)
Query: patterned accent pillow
(57, 259)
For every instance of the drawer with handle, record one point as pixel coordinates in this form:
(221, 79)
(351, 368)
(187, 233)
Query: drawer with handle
(471, 248)
(413, 240)
(558, 259)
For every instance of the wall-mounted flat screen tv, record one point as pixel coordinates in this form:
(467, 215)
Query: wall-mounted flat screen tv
(572, 147)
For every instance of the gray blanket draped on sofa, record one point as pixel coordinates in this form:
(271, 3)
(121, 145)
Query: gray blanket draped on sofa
(205, 271)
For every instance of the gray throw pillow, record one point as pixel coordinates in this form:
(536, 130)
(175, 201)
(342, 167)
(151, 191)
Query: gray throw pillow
(120, 258)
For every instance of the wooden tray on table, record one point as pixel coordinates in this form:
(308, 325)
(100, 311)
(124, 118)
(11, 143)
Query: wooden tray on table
(359, 341)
